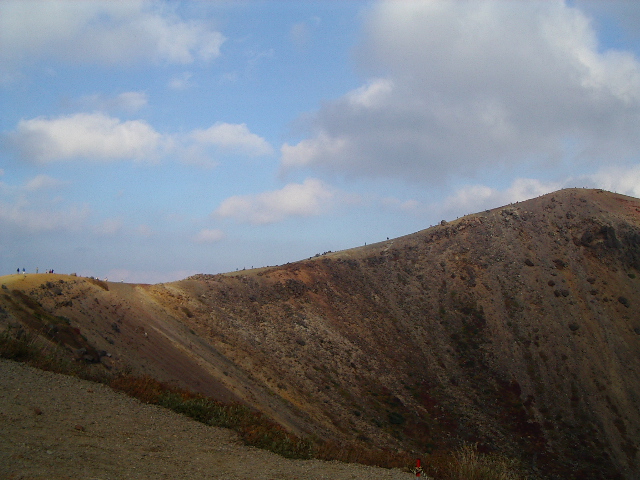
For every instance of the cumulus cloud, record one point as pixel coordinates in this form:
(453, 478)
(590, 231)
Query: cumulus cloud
(233, 138)
(89, 136)
(467, 86)
(98, 137)
(323, 147)
(372, 95)
(475, 198)
(312, 197)
(208, 235)
(618, 179)
(104, 32)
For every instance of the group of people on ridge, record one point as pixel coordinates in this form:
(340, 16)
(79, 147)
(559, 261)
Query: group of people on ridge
(24, 272)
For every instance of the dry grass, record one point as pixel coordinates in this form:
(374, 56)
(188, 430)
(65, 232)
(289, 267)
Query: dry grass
(466, 463)
(253, 427)
(471, 465)
(22, 346)
(362, 454)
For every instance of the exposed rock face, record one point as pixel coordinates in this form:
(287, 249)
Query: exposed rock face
(516, 328)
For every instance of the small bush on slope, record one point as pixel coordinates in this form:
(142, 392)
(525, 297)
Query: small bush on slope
(22, 346)
(253, 427)
(469, 464)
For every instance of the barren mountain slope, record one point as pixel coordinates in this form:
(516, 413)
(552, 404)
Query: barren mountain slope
(517, 328)
(56, 427)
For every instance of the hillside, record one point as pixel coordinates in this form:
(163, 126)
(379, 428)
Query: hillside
(57, 427)
(516, 328)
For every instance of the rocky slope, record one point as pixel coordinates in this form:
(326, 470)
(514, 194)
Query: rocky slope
(517, 328)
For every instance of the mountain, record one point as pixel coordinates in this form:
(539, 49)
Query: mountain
(516, 328)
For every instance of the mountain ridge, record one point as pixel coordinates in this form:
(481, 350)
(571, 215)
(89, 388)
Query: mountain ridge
(516, 328)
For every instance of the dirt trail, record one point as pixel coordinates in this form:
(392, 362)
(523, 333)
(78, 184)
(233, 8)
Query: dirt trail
(58, 427)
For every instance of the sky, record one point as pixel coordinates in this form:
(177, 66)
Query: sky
(149, 141)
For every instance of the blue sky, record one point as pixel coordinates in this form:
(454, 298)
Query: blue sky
(149, 141)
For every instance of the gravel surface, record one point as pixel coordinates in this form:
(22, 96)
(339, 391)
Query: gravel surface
(58, 427)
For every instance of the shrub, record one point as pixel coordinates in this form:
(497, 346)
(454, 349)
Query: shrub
(469, 464)
(253, 427)
(16, 345)
(145, 388)
(23, 346)
(354, 453)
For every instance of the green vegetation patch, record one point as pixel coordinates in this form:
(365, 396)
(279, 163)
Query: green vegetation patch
(254, 428)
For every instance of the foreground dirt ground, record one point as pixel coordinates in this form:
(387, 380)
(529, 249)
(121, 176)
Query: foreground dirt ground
(58, 427)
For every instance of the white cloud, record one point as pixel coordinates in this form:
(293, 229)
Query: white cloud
(255, 57)
(625, 180)
(372, 95)
(35, 184)
(233, 138)
(126, 101)
(475, 198)
(321, 148)
(196, 155)
(209, 236)
(467, 86)
(29, 208)
(299, 35)
(301, 32)
(98, 137)
(109, 227)
(41, 181)
(91, 136)
(181, 82)
(309, 198)
(104, 32)
(33, 220)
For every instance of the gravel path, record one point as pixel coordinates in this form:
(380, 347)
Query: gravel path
(57, 427)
